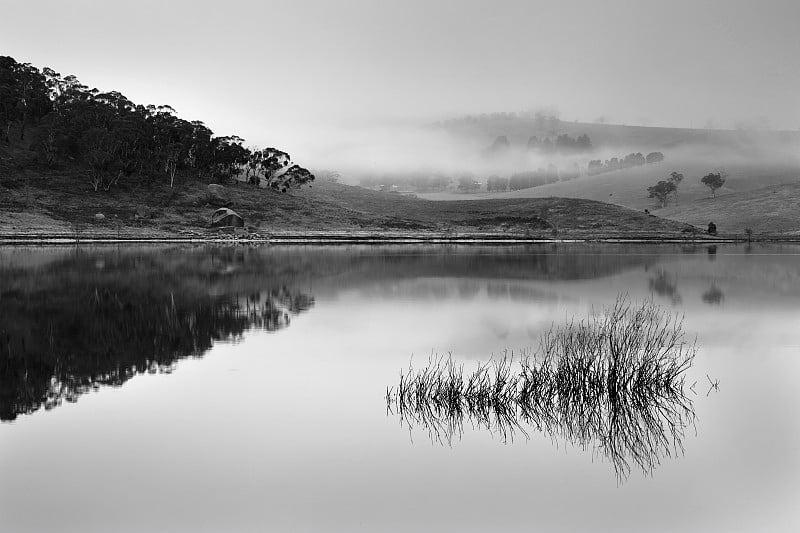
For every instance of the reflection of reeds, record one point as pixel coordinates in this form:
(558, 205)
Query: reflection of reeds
(614, 381)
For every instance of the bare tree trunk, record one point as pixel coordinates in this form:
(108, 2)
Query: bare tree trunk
(95, 179)
(172, 167)
(49, 146)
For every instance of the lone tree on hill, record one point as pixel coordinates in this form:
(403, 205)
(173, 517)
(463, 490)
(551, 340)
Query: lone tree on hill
(675, 178)
(714, 181)
(662, 190)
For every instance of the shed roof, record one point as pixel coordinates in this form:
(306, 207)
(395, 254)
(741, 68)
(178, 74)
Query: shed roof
(223, 212)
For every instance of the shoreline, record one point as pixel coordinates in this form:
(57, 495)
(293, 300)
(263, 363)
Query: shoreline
(312, 237)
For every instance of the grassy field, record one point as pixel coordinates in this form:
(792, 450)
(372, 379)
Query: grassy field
(774, 209)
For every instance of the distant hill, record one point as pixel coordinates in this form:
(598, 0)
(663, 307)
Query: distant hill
(518, 128)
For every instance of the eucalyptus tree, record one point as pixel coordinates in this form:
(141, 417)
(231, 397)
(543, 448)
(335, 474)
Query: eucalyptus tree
(280, 173)
(714, 181)
(230, 156)
(23, 95)
(108, 136)
(662, 191)
(675, 178)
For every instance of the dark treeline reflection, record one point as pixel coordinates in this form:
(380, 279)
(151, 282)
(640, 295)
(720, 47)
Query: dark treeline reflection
(73, 319)
(93, 319)
(613, 383)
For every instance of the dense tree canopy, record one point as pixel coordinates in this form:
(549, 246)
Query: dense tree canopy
(563, 144)
(415, 181)
(526, 180)
(110, 138)
(495, 183)
(597, 166)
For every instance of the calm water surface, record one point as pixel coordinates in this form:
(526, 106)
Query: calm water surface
(237, 389)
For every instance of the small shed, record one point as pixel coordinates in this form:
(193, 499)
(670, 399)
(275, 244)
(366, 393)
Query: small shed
(226, 218)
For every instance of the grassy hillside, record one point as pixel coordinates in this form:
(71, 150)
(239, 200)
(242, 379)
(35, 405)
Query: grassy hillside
(629, 187)
(774, 209)
(38, 198)
(60, 203)
(763, 197)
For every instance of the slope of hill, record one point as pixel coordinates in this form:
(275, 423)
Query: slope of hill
(61, 203)
(765, 199)
(629, 187)
(774, 210)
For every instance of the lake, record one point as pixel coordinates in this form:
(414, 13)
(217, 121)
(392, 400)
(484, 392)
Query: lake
(202, 388)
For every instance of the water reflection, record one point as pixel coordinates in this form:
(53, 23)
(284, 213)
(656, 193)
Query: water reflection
(613, 383)
(76, 319)
(665, 286)
(300, 423)
(713, 296)
(272, 309)
(85, 322)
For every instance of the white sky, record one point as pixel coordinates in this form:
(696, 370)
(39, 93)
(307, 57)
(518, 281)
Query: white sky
(278, 72)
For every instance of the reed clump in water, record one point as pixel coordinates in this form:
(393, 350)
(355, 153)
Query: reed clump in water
(613, 382)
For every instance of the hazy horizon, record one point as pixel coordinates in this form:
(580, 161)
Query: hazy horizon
(293, 74)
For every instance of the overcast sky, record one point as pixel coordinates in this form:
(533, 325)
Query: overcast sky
(278, 71)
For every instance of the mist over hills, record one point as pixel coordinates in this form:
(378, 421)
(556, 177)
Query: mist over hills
(518, 127)
(479, 146)
(762, 168)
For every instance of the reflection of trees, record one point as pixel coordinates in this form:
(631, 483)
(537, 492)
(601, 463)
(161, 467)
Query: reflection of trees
(666, 286)
(529, 262)
(82, 324)
(73, 319)
(713, 295)
(272, 310)
(613, 383)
